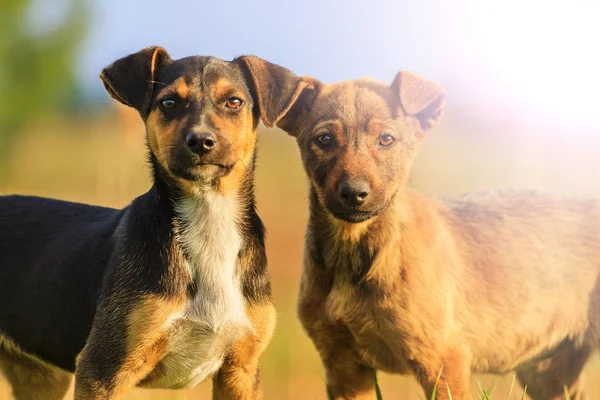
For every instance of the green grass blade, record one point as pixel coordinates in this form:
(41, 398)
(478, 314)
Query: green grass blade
(448, 389)
(512, 386)
(436, 384)
(377, 389)
(488, 393)
(480, 386)
(485, 393)
(567, 395)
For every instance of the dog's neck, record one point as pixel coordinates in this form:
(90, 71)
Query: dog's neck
(349, 249)
(354, 247)
(199, 209)
(208, 229)
(240, 185)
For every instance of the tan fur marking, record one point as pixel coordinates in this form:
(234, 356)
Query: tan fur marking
(153, 62)
(222, 87)
(243, 143)
(239, 378)
(179, 86)
(148, 321)
(162, 138)
(146, 342)
(231, 182)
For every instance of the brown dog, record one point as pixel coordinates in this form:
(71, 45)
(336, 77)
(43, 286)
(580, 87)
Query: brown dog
(400, 282)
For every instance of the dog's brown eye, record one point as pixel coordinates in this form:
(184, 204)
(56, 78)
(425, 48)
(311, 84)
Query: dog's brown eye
(168, 103)
(324, 140)
(233, 103)
(386, 140)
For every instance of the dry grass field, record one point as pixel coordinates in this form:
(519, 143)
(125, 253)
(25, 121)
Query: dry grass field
(100, 159)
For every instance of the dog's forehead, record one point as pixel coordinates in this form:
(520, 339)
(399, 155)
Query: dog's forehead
(198, 71)
(356, 102)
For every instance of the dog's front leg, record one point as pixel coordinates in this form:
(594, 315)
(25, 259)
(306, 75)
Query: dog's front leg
(448, 373)
(347, 375)
(129, 336)
(239, 376)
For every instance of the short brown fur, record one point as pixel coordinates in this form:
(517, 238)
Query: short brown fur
(410, 284)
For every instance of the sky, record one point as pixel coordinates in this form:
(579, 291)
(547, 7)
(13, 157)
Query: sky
(533, 57)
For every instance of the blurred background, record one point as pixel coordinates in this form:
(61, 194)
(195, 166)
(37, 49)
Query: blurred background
(523, 84)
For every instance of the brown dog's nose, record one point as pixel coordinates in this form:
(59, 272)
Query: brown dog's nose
(354, 193)
(200, 143)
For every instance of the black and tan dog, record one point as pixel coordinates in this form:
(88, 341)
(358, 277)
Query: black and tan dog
(404, 283)
(172, 289)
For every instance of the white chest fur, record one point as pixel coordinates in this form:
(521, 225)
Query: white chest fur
(211, 239)
(216, 316)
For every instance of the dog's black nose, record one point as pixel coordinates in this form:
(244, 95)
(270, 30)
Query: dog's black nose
(354, 193)
(200, 143)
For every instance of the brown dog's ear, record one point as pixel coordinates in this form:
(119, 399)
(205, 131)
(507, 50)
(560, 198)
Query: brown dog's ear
(130, 79)
(280, 93)
(292, 121)
(420, 98)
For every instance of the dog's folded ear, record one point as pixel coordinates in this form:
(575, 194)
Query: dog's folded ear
(130, 79)
(281, 95)
(419, 97)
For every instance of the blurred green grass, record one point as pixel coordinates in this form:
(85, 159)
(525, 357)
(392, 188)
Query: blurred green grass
(100, 159)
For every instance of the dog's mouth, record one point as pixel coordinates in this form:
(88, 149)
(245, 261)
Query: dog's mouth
(348, 213)
(354, 216)
(225, 167)
(203, 171)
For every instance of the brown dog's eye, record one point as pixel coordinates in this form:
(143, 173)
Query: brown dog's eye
(386, 140)
(233, 103)
(168, 103)
(324, 140)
